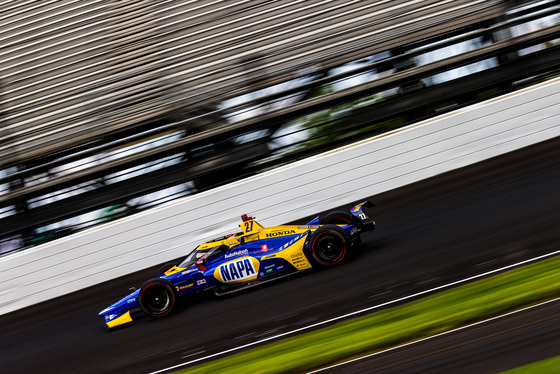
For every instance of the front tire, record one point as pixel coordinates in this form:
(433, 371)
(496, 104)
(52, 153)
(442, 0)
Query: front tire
(328, 246)
(157, 297)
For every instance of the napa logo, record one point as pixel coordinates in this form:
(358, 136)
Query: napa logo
(240, 270)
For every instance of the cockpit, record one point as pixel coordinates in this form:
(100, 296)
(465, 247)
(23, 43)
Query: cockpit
(204, 254)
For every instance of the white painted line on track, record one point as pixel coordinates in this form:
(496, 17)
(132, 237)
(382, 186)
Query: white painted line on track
(433, 336)
(524, 262)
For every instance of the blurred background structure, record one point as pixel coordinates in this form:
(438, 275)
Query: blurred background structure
(108, 108)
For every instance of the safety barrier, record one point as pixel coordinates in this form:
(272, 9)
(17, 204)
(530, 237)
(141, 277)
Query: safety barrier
(318, 183)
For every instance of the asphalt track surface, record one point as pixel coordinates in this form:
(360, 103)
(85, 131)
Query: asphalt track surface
(430, 233)
(490, 347)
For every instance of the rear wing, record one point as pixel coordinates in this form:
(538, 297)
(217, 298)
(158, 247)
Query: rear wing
(357, 211)
(360, 219)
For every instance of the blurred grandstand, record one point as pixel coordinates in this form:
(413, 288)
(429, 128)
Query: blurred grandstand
(109, 108)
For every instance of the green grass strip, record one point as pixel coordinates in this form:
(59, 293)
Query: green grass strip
(428, 316)
(548, 366)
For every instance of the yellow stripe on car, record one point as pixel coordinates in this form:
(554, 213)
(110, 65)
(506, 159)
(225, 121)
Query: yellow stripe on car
(293, 254)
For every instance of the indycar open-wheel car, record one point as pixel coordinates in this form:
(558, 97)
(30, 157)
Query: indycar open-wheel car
(244, 259)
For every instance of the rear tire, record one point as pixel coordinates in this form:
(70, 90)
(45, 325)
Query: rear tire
(157, 297)
(337, 217)
(328, 246)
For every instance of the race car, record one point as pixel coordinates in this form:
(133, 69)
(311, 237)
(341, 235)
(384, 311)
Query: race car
(244, 259)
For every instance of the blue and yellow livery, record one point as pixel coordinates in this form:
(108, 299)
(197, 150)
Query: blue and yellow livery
(244, 259)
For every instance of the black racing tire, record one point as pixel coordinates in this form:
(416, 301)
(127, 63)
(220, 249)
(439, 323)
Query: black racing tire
(328, 246)
(163, 268)
(337, 217)
(157, 297)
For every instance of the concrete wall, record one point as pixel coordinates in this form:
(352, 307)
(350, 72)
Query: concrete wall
(303, 188)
